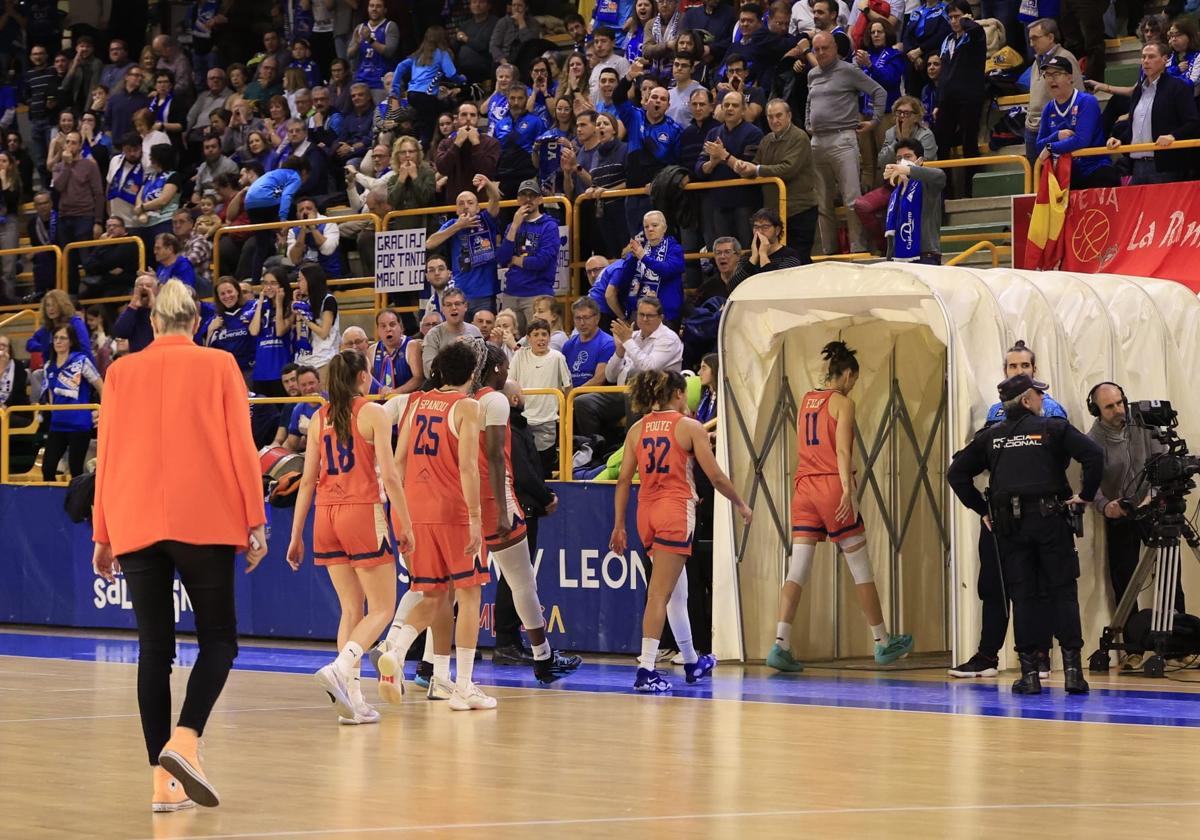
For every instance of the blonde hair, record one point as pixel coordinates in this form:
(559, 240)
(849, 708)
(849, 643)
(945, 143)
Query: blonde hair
(401, 140)
(66, 309)
(174, 309)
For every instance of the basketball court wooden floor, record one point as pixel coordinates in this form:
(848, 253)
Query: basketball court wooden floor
(819, 754)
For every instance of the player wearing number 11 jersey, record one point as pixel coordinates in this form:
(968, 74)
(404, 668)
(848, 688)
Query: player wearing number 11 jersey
(824, 506)
(661, 447)
(347, 440)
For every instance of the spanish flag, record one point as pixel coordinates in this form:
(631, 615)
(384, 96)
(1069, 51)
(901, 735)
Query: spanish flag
(1044, 247)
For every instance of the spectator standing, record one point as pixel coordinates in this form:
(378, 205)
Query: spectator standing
(270, 321)
(471, 241)
(548, 148)
(15, 145)
(10, 223)
(599, 166)
(318, 324)
(395, 358)
(1184, 40)
(213, 99)
(651, 145)
(727, 210)
(357, 125)
(437, 283)
(113, 74)
(539, 365)
(168, 108)
(298, 144)
(133, 324)
(587, 351)
(266, 84)
(652, 268)
(603, 43)
(14, 382)
(714, 17)
(82, 75)
(512, 32)
(960, 94)
(43, 230)
(228, 331)
(373, 47)
(454, 328)
(473, 42)
(530, 250)
(925, 28)
(1083, 34)
(516, 148)
(914, 218)
(1161, 111)
(125, 178)
(833, 123)
(786, 153)
(680, 107)
(172, 265)
(39, 90)
(56, 311)
(71, 378)
(270, 198)
(726, 260)
(80, 202)
(172, 58)
(414, 183)
(886, 65)
(1071, 121)
(1044, 42)
(467, 153)
(196, 247)
(160, 195)
(420, 78)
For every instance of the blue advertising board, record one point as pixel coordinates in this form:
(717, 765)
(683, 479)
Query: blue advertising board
(592, 597)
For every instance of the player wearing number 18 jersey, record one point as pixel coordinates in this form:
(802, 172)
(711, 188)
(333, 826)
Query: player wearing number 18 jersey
(661, 447)
(824, 505)
(350, 536)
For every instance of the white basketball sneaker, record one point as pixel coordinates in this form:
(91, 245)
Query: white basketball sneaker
(439, 689)
(470, 699)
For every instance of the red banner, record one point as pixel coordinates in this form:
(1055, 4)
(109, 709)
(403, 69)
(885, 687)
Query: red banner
(1150, 231)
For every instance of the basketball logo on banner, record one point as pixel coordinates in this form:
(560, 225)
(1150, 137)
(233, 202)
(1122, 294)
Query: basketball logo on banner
(1090, 236)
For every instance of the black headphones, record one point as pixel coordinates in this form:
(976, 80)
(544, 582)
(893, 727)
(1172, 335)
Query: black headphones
(1094, 409)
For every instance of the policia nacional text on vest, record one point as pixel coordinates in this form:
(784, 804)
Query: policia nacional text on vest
(1027, 503)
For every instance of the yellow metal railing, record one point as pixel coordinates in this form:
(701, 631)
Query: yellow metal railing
(988, 160)
(64, 264)
(567, 427)
(564, 448)
(1096, 151)
(33, 249)
(575, 227)
(978, 246)
(6, 435)
(34, 314)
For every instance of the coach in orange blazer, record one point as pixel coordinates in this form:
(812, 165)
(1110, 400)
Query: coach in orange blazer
(178, 489)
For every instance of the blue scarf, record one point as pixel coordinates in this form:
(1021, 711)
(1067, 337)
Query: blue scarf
(904, 221)
(920, 17)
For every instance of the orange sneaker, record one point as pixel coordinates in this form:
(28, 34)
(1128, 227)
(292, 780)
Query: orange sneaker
(181, 758)
(169, 795)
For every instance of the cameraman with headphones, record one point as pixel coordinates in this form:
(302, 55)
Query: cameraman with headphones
(1123, 487)
(1027, 509)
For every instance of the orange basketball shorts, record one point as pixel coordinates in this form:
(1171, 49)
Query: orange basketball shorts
(667, 525)
(490, 512)
(440, 560)
(814, 504)
(355, 534)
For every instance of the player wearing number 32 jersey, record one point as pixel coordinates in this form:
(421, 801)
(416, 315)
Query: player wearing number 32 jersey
(824, 506)
(349, 448)
(661, 447)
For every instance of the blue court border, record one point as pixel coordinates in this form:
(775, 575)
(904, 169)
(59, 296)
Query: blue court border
(987, 698)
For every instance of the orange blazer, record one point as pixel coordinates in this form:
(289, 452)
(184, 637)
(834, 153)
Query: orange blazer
(176, 456)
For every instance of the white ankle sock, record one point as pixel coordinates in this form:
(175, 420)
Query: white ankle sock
(541, 651)
(465, 659)
(356, 695)
(348, 659)
(688, 650)
(649, 653)
(441, 667)
(783, 635)
(879, 632)
(402, 641)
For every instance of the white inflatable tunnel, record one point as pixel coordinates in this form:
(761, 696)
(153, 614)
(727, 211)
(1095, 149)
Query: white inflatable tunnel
(931, 344)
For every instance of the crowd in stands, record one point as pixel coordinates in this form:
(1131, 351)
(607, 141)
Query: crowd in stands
(385, 105)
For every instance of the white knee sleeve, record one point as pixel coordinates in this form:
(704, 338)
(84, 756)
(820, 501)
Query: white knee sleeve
(677, 611)
(517, 569)
(859, 562)
(800, 569)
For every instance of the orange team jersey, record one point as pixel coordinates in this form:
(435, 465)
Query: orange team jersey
(485, 485)
(432, 484)
(347, 473)
(487, 498)
(816, 436)
(664, 465)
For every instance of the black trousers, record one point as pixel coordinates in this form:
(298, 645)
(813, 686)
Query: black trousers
(206, 572)
(508, 623)
(1039, 556)
(1082, 24)
(958, 124)
(264, 240)
(1124, 542)
(801, 232)
(997, 599)
(75, 444)
(600, 414)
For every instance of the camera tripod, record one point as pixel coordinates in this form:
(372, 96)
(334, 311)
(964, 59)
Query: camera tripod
(1161, 555)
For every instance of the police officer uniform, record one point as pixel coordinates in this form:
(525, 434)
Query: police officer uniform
(1027, 455)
